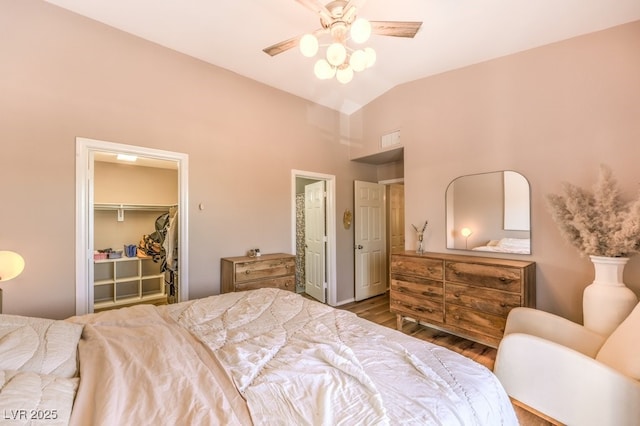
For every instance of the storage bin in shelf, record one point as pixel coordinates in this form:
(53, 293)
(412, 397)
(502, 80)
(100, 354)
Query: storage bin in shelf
(127, 281)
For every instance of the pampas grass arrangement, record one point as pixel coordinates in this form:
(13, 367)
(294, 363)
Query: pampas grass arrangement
(597, 222)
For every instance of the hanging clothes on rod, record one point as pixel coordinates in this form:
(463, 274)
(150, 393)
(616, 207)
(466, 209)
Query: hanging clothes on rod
(170, 245)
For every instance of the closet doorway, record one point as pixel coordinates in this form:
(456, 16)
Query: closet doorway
(325, 270)
(116, 205)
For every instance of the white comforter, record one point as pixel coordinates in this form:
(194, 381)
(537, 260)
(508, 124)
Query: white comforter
(299, 362)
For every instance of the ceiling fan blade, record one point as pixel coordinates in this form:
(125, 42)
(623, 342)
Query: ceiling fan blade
(395, 28)
(283, 46)
(317, 7)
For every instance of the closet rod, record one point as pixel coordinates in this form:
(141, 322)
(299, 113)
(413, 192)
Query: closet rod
(145, 207)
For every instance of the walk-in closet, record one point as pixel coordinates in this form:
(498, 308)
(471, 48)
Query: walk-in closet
(135, 208)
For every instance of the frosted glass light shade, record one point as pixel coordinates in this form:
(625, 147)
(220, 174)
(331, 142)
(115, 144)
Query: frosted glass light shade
(371, 56)
(344, 75)
(358, 60)
(323, 70)
(308, 45)
(360, 30)
(11, 265)
(336, 54)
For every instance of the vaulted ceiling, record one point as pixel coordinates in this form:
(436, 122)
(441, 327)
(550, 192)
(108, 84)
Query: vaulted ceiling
(454, 34)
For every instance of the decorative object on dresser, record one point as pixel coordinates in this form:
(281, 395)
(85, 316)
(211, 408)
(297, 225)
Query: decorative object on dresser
(420, 237)
(605, 228)
(247, 273)
(469, 296)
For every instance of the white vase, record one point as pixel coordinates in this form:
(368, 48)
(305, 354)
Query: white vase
(607, 301)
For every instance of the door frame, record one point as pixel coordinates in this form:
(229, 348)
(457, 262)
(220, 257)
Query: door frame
(84, 205)
(330, 188)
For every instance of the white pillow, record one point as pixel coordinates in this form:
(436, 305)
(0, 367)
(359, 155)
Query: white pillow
(28, 398)
(621, 350)
(39, 345)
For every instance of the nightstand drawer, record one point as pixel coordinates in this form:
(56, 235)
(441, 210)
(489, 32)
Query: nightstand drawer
(276, 270)
(249, 271)
(283, 283)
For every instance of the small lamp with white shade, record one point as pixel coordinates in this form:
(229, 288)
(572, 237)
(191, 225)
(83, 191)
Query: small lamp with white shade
(11, 265)
(466, 232)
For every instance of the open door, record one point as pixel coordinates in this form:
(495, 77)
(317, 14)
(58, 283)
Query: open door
(369, 221)
(315, 239)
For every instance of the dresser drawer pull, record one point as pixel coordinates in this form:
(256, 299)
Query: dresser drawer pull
(247, 272)
(503, 305)
(503, 279)
(429, 310)
(456, 317)
(456, 294)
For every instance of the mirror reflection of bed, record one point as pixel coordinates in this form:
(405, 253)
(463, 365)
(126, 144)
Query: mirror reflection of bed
(489, 212)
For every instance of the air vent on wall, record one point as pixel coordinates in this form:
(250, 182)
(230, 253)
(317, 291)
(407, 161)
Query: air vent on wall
(390, 139)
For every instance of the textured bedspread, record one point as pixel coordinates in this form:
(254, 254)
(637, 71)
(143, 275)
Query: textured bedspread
(140, 368)
(299, 362)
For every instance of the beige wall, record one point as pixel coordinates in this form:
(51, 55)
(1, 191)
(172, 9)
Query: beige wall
(130, 184)
(63, 76)
(553, 114)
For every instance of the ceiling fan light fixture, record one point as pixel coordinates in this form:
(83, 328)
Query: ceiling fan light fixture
(344, 74)
(358, 60)
(371, 56)
(360, 30)
(309, 45)
(336, 54)
(323, 70)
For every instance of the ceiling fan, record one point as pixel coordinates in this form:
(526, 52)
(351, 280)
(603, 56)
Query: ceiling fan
(338, 19)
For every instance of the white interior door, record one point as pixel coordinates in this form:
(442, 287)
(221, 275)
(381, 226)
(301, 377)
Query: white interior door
(369, 221)
(315, 238)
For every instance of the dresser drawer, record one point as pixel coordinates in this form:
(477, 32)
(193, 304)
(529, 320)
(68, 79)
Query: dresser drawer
(256, 270)
(418, 309)
(474, 321)
(418, 266)
(482, 299)
(498, 277)
(417, 287)
(283, 283)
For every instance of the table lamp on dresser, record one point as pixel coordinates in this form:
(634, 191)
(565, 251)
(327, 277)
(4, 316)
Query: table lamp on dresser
(11, 265)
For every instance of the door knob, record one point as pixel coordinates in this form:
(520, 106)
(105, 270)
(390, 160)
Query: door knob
(359, 247)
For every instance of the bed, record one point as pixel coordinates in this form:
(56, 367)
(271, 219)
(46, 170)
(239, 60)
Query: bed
(507, 245)
(263, 356)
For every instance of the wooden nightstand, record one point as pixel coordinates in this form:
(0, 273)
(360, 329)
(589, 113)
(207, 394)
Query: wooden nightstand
(248, 273)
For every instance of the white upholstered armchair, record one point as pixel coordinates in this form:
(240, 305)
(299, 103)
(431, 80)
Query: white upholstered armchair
(570, 373)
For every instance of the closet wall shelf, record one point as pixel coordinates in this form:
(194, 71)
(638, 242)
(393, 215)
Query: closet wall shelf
(142, 207)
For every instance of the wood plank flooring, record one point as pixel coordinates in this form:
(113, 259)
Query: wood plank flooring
(376, 309)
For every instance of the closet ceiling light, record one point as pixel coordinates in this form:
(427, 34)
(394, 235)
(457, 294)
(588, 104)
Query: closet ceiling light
(127, 157)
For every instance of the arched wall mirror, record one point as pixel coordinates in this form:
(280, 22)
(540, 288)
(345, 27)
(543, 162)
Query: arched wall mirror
(489, 212)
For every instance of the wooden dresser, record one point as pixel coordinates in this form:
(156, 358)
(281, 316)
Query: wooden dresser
(248, 273)
(469, 296)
